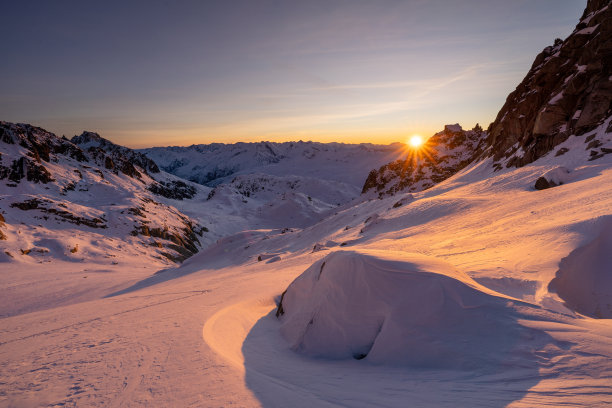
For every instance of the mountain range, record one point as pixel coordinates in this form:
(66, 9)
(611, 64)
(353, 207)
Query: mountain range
(311, 274)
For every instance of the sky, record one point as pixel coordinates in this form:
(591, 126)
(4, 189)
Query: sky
(159, 73)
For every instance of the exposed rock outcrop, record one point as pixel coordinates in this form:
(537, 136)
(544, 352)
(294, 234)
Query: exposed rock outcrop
(175, 189)
(47, 206)
(567, 91)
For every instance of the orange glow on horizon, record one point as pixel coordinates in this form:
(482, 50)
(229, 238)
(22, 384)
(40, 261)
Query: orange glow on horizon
(185, 136)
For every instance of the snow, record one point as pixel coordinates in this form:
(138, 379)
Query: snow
(220, 163)
(402, 309)
(584, 280)
(587, 30)
(556, 98)
(504, 283)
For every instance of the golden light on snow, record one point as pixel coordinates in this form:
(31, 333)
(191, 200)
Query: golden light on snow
(415, 140)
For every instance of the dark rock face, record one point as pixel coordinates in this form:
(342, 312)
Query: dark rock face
(28, 169)
(440, 157)
(38, 142)
(45, 206)
(2, 221)
(176, 189)
(183, 242)
(42, 146)
(542, 184)
(567, 91)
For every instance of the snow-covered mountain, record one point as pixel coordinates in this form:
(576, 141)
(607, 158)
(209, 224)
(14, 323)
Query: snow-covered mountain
(280, 201)
(88, 198)
(484, 283)
(217, 163)
(130, 198)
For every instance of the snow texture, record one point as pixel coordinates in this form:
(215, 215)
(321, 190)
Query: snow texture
(395, 308)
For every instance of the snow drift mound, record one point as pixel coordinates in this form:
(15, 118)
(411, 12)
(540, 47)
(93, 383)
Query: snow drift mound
(398, 308)
(584, 278)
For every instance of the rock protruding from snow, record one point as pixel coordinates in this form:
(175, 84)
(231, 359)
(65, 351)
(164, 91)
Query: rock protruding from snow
(567, 91)
(399, 308)
(552, 178)
(440, 157)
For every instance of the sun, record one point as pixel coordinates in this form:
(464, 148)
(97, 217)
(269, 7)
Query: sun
(415, 141)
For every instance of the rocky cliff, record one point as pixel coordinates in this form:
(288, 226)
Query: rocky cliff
(567, 91)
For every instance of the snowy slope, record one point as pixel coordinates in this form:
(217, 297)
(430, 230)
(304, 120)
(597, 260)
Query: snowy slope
(206, 333)
(279, 202)
(486, 286)
(117, 192)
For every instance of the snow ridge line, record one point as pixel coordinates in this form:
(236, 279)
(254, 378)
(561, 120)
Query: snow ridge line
(46, 332)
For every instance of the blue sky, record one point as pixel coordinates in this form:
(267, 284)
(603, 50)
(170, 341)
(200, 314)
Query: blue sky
(176, 73)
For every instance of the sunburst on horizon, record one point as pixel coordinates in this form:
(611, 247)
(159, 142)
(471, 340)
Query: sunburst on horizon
(416, 141)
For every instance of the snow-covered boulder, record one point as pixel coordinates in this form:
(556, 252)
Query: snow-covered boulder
(399, 308)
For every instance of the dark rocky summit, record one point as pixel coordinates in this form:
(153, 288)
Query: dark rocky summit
(39, 147)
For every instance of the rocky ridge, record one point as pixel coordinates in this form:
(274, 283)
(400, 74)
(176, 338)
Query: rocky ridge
(89, 184)
(113, 155)
(441, 156)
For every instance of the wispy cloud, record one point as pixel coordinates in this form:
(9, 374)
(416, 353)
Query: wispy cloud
(430, 84)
